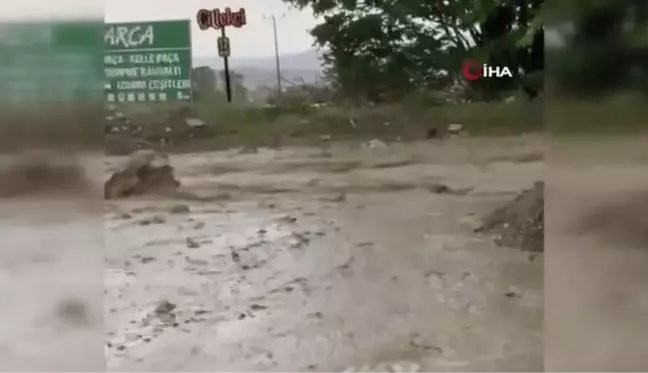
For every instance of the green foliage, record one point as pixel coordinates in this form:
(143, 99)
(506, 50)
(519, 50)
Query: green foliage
(605, 52)
(382, 50)
(261, 126)
(209, 86)
(203, 82)
(239, 92)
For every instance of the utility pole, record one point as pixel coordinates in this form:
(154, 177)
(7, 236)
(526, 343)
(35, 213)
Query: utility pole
(276, 47)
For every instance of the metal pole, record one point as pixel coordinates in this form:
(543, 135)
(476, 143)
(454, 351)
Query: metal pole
(228, 83)
(276, 45)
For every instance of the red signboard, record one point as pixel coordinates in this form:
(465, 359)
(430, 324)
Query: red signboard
(216, 19)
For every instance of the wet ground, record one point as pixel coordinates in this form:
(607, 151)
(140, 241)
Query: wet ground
(344, 258)
(595, 269)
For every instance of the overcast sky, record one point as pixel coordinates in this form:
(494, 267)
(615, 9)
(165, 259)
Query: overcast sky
(253, 40)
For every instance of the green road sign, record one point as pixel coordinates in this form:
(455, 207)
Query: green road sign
(148, 61)
(50, 62)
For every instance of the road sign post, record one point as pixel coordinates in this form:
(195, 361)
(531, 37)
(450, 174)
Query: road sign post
(219, 20)
(224, 52)
(148, 61)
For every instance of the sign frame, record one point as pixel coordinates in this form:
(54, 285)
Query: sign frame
(168, 49)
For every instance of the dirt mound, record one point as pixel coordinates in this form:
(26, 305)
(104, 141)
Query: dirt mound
(145, 172)
(519, 223)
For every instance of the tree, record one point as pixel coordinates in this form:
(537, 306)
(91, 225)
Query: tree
(204, 82)
(606, 49)
(384, 49)
(237, 83)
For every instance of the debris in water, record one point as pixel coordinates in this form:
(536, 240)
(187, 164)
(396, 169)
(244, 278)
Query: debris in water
(439, 189)
(347, 264)
(155, 219)
(165, 312)
(147, 259)
(165, 307)
(418, 342)
(180, 209)
(235, 257)
(257, 307)
(287, 219)
(199, 262)
(341, 197)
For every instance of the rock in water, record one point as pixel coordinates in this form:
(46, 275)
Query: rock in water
(519, 223)
(145, 171)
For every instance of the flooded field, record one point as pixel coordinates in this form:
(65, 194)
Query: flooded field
(345, 258)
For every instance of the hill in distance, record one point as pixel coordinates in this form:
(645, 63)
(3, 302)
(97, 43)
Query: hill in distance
(298, 68)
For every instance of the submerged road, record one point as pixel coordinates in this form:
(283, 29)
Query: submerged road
(298, 261)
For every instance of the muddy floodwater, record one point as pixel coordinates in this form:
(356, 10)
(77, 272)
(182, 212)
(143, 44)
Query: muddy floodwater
(345, 258)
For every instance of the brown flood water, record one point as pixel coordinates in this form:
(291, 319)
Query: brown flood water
(301, 260)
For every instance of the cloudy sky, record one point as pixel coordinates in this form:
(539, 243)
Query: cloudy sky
(253, 40)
